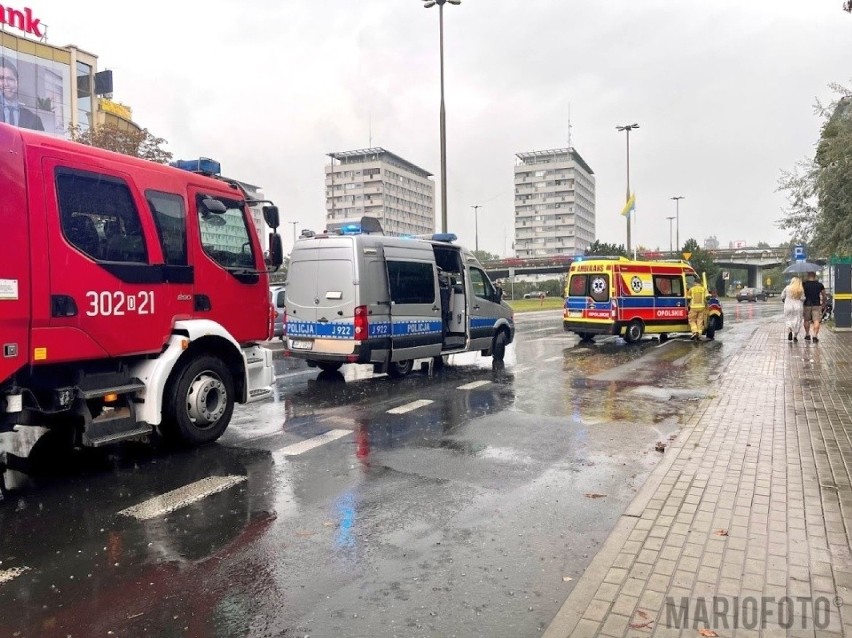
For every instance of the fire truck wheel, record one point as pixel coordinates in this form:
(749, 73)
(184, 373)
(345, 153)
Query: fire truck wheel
(400, 368)
(498, 351)
(199, 402)
(586, 337)
(634, 331)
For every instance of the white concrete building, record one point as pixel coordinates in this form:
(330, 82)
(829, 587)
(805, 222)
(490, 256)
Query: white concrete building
(380, 184)
(554, 203)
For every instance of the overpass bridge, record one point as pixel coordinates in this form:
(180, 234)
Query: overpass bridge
(753, 260)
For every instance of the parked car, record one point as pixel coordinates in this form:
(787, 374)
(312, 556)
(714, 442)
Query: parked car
(535, 294)
(276, 297)
(750, 294)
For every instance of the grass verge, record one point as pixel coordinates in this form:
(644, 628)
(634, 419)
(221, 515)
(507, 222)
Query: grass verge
(530, 305)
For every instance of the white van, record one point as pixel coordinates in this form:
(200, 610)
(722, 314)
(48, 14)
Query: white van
(354, 297)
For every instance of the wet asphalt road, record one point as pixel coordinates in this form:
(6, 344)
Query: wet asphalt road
(461, 504)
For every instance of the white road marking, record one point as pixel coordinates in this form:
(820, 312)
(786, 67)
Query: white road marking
(309, 444)
(10, 574)
(549, 328)
(552, 359)
(408, 407)
(473, 385)
(181, 497)
(666, 343)
(521, 369)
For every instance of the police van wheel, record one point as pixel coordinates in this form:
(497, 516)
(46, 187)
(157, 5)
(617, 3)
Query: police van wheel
(329, 366)
(498, 350)
(634, 331)
(399, 369)
(199, 402)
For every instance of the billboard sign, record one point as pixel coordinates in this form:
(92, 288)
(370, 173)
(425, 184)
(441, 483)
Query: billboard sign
(21, 19)
(35, 93)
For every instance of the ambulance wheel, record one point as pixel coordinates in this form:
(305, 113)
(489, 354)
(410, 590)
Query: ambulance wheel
(399, 369)
(498, 350)
(199, 402)
(634, 331)
(586, 337)
(663, 337)
(329, 366)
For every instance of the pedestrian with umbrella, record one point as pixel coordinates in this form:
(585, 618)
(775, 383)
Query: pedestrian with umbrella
(793, 297)
(814, 304)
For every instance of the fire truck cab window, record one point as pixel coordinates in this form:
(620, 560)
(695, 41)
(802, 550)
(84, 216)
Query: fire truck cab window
(170, 219)
(225, 236)
(99, 218)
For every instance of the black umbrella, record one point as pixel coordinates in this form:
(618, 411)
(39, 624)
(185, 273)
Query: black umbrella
(798, 267)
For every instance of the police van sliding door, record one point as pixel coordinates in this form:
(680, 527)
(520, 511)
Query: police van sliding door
(415, 307)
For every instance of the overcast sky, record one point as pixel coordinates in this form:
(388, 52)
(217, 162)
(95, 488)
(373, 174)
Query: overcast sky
(723, 92)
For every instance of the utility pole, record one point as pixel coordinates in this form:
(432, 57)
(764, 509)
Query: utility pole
(670, 233)
(476, 222)
(627, 128)
(677, 199)
(294, 232)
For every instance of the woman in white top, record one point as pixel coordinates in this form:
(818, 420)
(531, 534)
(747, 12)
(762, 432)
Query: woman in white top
(793, 297)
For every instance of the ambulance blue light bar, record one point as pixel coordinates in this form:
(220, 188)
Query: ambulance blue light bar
(446, 237)
(200, 165)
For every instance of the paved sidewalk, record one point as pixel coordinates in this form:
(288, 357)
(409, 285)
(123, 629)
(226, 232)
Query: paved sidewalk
(766, 459)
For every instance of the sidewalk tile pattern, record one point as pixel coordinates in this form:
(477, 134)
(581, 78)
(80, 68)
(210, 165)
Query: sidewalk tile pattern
(767, 459)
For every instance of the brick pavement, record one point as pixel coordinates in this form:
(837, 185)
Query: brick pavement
(768, 458)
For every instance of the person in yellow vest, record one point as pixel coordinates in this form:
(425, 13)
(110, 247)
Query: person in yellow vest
(696, 298)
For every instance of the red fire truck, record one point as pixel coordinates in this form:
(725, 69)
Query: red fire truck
(133, 296)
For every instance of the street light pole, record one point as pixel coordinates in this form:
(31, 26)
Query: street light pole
(670, 233)
(677, 199)
(294, 232)
(476, 222)
(627, 128)
(427, 4)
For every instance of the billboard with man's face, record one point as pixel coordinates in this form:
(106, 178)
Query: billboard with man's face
(35, 92)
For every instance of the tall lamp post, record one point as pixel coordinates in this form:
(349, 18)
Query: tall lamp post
(677, 199)
(427, 4)
(476, 222)
(627, 128)
(294, 232)
(670, 233)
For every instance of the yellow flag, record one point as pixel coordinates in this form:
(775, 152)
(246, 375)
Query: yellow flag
(630, 206)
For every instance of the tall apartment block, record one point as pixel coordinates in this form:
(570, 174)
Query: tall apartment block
(380, 184)
(554, 203)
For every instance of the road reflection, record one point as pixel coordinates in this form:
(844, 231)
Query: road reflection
(91, 571)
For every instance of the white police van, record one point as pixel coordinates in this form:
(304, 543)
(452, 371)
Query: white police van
(355, 295)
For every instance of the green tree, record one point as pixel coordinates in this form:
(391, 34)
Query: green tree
(484, 255)
(702, 261)
(128, 141)
(819, 190)
(607, 250)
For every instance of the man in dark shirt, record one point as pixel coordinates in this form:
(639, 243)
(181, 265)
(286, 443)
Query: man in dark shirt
(814, 303)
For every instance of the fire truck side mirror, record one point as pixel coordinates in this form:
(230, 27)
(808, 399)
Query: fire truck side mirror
(270, 214)
(213, 205)
(276, 250)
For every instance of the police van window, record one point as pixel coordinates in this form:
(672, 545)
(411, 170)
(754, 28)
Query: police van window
(599, 287)
(577, 287)
(225, 236)
(170, 219)
(482, 287)
(98, 216)
(411, 282)
(668, 286)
